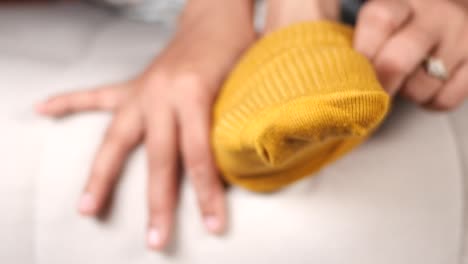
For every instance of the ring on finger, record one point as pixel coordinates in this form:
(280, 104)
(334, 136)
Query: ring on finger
(436, 68)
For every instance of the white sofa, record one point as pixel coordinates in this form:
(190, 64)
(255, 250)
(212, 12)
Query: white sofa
(398, 199)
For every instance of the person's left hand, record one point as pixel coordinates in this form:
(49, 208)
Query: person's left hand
(399, 36)
(168, 108)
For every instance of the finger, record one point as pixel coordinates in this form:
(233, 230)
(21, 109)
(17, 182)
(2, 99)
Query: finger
(377, 21)
(199, 162)
(103, 98)
(122, 136)
(403, 54)
(161, 146)
(455, 92)
(421, 87)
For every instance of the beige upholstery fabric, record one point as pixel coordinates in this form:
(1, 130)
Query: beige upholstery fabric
(459, 122)
(398, 199)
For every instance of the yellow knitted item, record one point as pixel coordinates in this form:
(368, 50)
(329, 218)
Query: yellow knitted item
(300, 98)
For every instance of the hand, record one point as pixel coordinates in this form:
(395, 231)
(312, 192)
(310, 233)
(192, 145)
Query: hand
(168, 108)
(399, 35)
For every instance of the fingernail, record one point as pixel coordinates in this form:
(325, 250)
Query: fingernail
(154, 238)
(87, 204)
(212, 223)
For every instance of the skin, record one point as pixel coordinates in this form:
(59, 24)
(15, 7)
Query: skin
(282, 13)
(398, 36)
(167, 108)
(463, 3)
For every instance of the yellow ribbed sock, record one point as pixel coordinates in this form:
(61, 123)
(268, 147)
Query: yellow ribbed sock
(300, 98)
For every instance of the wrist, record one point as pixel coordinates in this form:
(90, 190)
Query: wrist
(240, 10)
(232, 17)
(285, 12)
(227, 23)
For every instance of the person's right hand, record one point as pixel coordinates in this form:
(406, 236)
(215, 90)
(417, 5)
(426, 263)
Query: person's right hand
(169, 108)
(398, 36)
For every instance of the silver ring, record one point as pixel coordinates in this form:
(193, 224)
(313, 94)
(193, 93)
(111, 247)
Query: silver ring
(436, 68)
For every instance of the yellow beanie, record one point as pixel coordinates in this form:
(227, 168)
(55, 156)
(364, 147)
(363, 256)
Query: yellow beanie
(300, 98)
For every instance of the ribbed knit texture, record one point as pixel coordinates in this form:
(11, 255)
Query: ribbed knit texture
(300, 98)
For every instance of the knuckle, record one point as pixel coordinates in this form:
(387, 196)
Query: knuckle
(163, 167)
(67, 107)
(159, 207)
(195, 88)
(100, 173)
(197, 97)
(203, 179)
(101, 176)
(193, 85)
(117, 134)
(120, 135)
(420, 88)
(154, 82)
(394, 65)
(445, 104)
(209, 197)
(62, 102)
(206, 194)
(59, 99)
(205, 199)
(89, 96)
(189, 79)
(412, 94)
(197, 164)
(379, 15)
(104, 97)
(162, 198)
(171, 84)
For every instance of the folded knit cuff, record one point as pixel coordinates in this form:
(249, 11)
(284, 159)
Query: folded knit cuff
(299, 94)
